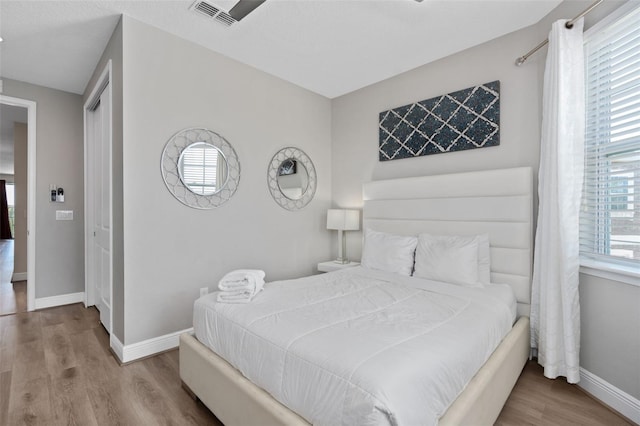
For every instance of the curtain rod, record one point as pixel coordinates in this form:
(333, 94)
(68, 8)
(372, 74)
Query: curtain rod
(569, 25)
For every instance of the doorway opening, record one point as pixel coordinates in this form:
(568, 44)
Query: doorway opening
(17, 204)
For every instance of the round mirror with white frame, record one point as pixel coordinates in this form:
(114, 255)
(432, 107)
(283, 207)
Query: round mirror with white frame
(291, 177)
(200, 168)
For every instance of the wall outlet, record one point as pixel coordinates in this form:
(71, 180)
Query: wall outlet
(203, 291)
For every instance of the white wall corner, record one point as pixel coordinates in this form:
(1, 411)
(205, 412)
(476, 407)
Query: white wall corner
(615, 398)
(18, 276)
(134, 351)
(63, 299)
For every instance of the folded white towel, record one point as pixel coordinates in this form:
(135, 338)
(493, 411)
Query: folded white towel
(251, 280)
(240, 286)
(235, 296)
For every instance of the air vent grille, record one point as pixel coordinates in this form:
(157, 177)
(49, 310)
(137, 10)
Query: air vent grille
(225, 18)
(212, 11)
(206, 9)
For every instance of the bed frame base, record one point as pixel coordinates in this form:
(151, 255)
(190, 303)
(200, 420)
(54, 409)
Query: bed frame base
(482, 400)
(230, 396)
(237, 401)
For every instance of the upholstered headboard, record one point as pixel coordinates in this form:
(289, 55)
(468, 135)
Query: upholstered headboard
(497, 202)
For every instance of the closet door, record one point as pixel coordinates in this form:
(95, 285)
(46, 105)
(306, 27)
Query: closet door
(99, 181)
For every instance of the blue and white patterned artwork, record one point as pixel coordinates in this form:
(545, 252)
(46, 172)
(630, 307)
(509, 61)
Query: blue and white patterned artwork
(465, 119)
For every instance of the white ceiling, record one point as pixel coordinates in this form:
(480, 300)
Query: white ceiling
(330, 47)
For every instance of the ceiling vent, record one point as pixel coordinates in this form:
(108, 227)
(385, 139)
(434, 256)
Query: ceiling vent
(209, 10)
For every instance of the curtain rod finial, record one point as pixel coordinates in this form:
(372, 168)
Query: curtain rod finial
(520, 61)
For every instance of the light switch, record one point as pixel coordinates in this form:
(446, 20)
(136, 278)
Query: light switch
(64, 214)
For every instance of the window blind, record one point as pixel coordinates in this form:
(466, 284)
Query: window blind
(610, 214)
(200, 169)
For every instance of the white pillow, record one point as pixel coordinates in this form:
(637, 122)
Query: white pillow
(388, 252)
(452, 259)
(484, 259)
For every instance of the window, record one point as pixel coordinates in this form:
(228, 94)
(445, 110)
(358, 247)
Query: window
(11, 202)
(609, 219)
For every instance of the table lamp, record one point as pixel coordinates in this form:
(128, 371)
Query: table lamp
(343, 220)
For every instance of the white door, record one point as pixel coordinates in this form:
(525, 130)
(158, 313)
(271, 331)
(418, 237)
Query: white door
(99, 197)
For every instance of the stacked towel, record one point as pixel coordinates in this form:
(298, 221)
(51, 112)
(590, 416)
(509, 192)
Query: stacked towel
(240, 286)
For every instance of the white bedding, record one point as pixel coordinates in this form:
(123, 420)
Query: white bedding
(359, 346)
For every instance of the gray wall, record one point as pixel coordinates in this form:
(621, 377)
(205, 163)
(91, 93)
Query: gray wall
(113, 52)
(20, 167)
(171, 250)
(610, 343)
(355, 119)
(59, 160)
(611, 329)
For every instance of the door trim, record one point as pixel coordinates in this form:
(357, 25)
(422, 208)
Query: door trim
(31, 194)
(100, 86)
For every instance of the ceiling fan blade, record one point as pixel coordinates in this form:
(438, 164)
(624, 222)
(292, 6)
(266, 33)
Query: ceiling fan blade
(243, 8)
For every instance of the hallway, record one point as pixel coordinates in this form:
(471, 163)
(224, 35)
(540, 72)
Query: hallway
(13, 296)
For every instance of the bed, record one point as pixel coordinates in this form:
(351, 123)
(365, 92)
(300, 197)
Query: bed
(497, 203)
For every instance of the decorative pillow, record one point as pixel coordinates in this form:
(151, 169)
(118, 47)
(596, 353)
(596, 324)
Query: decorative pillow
(452, 259)
(388, 252)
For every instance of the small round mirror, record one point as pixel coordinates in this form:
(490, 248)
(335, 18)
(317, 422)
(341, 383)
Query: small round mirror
(293, 179)
(203, 168)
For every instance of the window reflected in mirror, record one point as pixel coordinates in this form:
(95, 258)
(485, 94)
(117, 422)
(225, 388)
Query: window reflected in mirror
(203, 168)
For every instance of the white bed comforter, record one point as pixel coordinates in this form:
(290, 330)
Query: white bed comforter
(359, 347)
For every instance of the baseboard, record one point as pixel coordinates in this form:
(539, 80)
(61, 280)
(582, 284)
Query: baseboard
(18, 276)
(117, 347)
(63, 299)
(615, 398)
(134, 351)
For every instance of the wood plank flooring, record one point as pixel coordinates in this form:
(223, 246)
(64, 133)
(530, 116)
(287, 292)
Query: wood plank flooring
(13, 296)
(56, 369)
(536, 400)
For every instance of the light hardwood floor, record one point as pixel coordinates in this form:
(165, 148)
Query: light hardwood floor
(536, 400)
(56, 369)
(13, 296)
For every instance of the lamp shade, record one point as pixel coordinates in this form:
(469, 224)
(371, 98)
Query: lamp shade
(343, 220)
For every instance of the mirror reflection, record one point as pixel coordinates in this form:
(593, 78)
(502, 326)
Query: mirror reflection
(203, 168)
(293, 179)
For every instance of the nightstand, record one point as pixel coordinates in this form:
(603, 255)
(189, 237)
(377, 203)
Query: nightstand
(333, 266)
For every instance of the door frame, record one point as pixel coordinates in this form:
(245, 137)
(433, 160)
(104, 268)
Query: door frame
(103, 83)
(31, 193)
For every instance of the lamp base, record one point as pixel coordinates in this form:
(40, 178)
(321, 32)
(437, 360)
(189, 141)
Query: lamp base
(342, 248)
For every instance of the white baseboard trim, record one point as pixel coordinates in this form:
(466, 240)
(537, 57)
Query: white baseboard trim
(19, 276)
(128, 353)
(63, 299)
(615, 398)
(117, 346)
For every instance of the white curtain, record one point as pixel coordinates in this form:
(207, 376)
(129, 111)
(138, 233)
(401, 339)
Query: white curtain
(555, 307)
